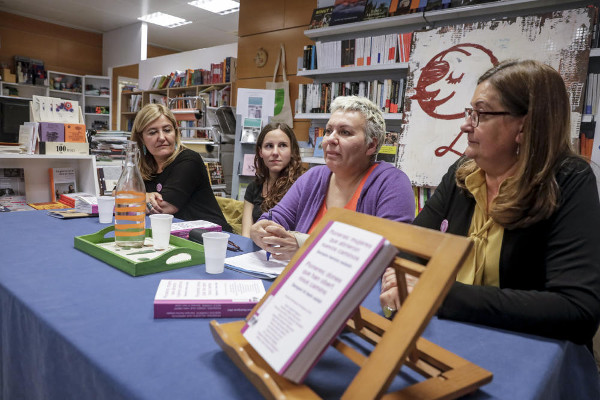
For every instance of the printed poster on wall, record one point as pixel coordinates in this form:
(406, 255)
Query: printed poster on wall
(446, 62)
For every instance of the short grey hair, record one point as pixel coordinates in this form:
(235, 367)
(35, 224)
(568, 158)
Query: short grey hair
(374, 121)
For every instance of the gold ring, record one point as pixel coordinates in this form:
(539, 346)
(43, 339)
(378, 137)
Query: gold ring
(389, 312)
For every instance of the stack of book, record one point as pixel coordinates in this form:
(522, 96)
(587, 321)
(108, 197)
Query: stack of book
(388, 94)
(222, 72)
(109, 145)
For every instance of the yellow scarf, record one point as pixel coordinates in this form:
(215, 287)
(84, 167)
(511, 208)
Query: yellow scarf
(482, 264)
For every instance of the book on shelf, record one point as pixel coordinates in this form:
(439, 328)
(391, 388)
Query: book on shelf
(345, 11)
(375, 9)
(318, 147)
(399, 7)
(242, 190)
(14, 203)
(248, 165)
(347, 55)
(215, 172)
(75, 133)
(108, 176)
(12, 182)
(388, 153)
(321, 289)
(206, 298)
(62, 181)
(52, 132)
(250, 130)
(433, 5)
(316, 97)
(29, 136)
(230, 69)
(320, 17)
(158, 99)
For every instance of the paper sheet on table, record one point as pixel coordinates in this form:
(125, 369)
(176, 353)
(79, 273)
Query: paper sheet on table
(256, 264)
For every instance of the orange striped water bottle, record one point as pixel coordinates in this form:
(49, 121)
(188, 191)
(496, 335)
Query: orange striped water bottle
(130, 202)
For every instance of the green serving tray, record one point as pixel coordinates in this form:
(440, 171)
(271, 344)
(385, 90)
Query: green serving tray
(89, 244)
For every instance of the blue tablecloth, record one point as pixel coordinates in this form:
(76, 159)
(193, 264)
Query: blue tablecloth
(72, 327)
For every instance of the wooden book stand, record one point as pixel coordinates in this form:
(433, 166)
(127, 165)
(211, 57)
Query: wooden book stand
(397, 342)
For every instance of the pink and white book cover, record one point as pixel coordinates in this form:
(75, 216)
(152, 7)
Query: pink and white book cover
(182, 229)
(202, 298)
(315, 292)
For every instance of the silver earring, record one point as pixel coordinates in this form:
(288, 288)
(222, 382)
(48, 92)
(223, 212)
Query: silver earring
(146, 151)
(518, 149)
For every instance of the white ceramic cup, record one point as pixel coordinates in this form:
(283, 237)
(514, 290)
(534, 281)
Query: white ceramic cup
(106, 206)
(161, 230)
(215, 249)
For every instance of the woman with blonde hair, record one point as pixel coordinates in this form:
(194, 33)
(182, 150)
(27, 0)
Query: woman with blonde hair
(278, 164)
(176, 178)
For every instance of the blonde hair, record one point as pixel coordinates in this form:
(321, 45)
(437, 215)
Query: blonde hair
(534, 90)
(374, 121)
(148, 114)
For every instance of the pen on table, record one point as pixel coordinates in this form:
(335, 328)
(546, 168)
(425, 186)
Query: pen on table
(270, 219)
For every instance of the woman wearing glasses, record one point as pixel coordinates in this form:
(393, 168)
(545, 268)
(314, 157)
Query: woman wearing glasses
(529, 204)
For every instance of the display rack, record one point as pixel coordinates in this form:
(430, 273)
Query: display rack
(397, 342)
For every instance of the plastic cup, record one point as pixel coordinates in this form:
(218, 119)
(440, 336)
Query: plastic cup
(215, 249)
(161, 230)
(106, 206)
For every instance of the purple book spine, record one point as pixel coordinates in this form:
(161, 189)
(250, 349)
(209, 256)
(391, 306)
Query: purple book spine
(201, 310)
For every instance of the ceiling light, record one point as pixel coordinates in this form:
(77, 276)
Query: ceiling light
(163, 19)
(217, 6)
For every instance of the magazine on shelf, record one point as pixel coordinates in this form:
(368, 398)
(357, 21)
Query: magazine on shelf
(321, 290)
(320, 17)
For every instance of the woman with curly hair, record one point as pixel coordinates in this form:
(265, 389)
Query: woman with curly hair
(277, 164)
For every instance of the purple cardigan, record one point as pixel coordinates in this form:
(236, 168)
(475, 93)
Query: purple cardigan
(387, 193)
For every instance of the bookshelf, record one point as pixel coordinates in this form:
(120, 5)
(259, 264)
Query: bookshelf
(409, 23)
(22, 90)
(37, 180)
(66, 86)
(128, 98)
(97, 101)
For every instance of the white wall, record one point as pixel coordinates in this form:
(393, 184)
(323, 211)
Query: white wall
(201, 58)
(123, 46)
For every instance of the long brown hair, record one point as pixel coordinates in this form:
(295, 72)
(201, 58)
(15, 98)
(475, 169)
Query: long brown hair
(538, 92)
(148, 114)
(287, 176)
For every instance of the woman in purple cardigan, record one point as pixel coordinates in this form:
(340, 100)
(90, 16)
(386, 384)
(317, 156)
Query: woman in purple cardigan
(351, 179)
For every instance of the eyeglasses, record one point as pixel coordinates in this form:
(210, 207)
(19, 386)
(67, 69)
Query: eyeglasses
(474, 115)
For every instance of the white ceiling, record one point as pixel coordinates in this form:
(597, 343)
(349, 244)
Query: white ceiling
(206, 30)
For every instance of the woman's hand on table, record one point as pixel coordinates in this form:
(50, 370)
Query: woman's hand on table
(389, 296)
(156, 205)
(274, 238)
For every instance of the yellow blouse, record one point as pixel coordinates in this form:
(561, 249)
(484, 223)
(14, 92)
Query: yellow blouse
(482, 264)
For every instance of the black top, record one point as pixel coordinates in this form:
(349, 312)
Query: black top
(549, 271)
(253, 195)
(185, 184)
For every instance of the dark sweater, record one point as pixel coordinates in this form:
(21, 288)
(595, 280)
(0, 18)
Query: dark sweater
(185, 184)
(549, 272)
